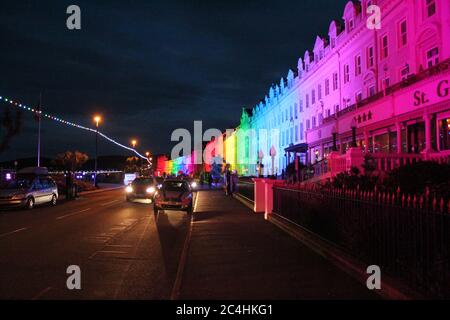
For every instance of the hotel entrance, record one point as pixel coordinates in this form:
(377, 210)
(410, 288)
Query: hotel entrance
(415, 137)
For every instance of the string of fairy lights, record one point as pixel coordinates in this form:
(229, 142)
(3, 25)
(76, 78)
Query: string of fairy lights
(41, 114)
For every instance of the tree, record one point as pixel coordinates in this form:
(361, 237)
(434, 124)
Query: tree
(71, 160)
(9, 126)
(132, 164)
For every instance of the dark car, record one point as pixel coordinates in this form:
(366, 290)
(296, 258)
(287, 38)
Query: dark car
(174, 194)
(142, 188)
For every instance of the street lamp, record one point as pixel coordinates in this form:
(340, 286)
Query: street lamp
(134, 143)
(353, 126)
(97, 120)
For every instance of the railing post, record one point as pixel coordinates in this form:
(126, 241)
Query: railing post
(354, 158)
(260, 195)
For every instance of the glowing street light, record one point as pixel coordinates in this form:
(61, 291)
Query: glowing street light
(97, 120)
(134, 143)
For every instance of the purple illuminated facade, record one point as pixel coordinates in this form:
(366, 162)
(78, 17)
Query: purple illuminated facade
(389, 85)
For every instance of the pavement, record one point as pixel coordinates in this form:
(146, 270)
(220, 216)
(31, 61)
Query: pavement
(125, 251)
(236, 254)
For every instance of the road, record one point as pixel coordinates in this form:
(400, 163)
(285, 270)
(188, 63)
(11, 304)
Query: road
(123, 249)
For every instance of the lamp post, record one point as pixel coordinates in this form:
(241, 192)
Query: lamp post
(97, 120)
(353, 126)
(133, 144)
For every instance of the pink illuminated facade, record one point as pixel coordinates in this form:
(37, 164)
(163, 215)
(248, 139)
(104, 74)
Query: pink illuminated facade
(392, 85)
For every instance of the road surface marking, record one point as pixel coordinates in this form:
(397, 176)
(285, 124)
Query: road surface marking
(106, 252)
(110, 202)
(182, 263)
(12, 232)
(42, 293)
(72, 214)
(119, 245)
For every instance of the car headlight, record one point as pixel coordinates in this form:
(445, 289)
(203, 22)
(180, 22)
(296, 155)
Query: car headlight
(151, 190)
(18, 197)
(129, 189)
(194, 184)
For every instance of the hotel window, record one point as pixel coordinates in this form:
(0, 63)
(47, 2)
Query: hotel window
(431, 7)
(301, 106)
(327, 87)
(358, 70)
(308, 125)
(335, 81)
(313, 96)
(346, 73)
(290, 113)
(358, 96)
(384, 47)
(291, 137)
(403, 34)
(371, 91)
(432, 57)
(444, 134)
(328, 113)
(307, 101)
(313, 122)
(370, 57)
(386, 83)
(301, 131)
(296, 111)
(296, 133)
(404, 73)
(319, 92)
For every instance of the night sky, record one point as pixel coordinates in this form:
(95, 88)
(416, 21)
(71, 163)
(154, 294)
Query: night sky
(148, 67)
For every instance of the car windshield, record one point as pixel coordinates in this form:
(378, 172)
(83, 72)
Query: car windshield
(175, 186)
(18, 184)
(145, 181)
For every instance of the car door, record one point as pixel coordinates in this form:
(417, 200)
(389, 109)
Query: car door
(37, 192)
(46, 190)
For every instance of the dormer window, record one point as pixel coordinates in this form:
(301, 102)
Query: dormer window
(333, 43)
(430, 7)
(350, 25)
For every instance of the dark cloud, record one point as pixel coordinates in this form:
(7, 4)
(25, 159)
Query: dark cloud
(149, 66)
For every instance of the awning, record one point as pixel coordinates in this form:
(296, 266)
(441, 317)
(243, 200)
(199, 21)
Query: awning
(299, 148)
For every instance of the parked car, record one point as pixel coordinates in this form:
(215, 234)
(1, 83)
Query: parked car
(174, 194)
(142, 188)
(32, 186)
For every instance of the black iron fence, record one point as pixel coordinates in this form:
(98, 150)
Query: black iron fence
(409, 238)
(246, 188)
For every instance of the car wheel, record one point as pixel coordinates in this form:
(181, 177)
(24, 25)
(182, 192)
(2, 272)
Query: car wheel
(30, 203)
(54, 199)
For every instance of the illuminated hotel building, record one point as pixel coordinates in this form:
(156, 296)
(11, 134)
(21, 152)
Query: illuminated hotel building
(391, 84)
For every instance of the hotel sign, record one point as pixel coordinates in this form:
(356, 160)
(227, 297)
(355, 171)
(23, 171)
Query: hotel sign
(442, 91)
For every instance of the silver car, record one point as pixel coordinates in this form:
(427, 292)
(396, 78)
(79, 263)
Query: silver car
(28, 191)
